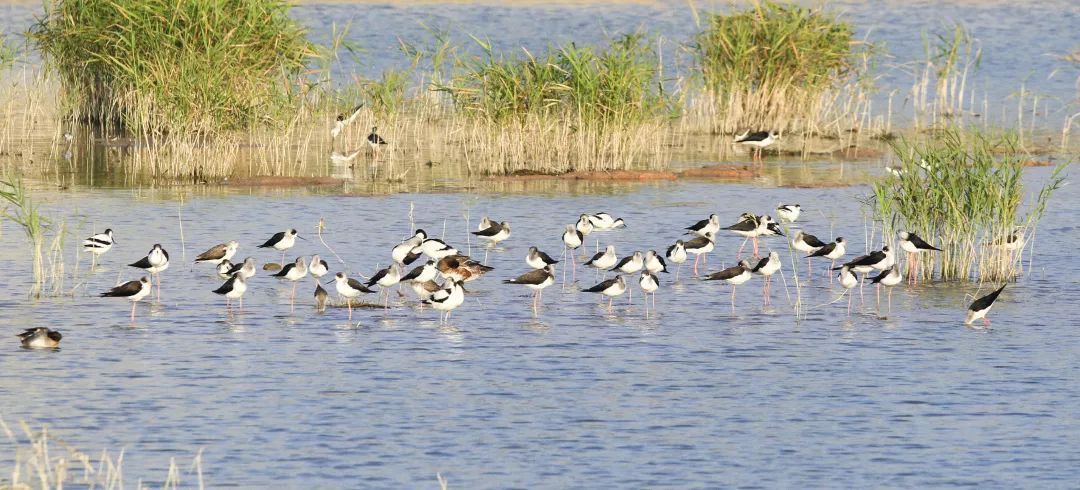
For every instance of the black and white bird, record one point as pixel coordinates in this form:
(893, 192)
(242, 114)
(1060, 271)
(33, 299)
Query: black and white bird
(422, 273)
(766, 267)
(604, 221)
(40, 338)
(572, 239)
(294, 271)
(348, 289)
(584, 225)
(649, 283)
(282, 241)
(789, 212)
(218, 253)
(833, 251)
(234, 288)
(878, 259)
(536, 280)
(630, 264)
(806, 243)
(409, 248)
(485, 222)
(888, 278)
(712, 223)
(759, 140)
(318, 267)
(437, 249)
(132, 290)
(424, 290)
(699, 246)
(914, 245)
(98, 244)
(343, 120)
(750, 226)
(447, 300)
(603, 260)
(981, 307)
(736, 275)
(386, 278)
(677, 255)
(848, 281)
(538, 259)
(495, 233)
(610, 288)
(375, 141)
(223, 269)
(156, 260)
(246, 268)
(654, 263)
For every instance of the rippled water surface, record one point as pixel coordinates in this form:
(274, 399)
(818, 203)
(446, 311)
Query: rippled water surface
(696, 396)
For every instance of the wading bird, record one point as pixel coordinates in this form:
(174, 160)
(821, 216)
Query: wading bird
(132, 290)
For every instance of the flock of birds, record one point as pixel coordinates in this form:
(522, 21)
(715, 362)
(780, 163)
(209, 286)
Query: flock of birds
(445, 262)
(455, 269)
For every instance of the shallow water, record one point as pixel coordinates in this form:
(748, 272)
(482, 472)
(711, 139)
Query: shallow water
(696, 396)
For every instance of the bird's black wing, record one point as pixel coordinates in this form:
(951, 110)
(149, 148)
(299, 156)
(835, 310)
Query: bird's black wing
(274, 239)
(378, 276)
(725, 274)
(823, 251)
(227, 287)
(986, 301)
(812, 240)
(546, 258)
(920, 243)
(599, 288)
(353, 283)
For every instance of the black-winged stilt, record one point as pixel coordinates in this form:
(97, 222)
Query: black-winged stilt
(223, 269)
(584, 225)
(282, 241)
(246, 268)
(495, 233)
(422, 273)
(914, 245)
(610, 288)
(132, 290)
(98, 244)
(677, 255)
(712, 223)
(848, 281)
(538, 259)
(318, 267)
(348, 289)
(766, 267)
(735, 276)
(156, 260)
(602, 261)
(386, 279)
(234, 288)
(888, 278)
(572, 239)
(789, 212)
(981, 307)
(833, 251)
(294, 272)
(806, 243)
(649, 283)
(408, 247)
(40, 338)
(750, 226)
(218, 253)
(537, 280)
(699, 246)
(630, 264)
(375, 141)
(759, 140)
(654, 263)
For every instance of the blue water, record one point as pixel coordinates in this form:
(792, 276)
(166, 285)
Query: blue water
(695, 396)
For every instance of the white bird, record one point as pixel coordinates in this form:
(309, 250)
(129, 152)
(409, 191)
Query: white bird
(789, 212)
(677, 255)
(981, 307)
(318, 267)
(349, 288)
(98, 244)
(584, 225)
(437, 249)
(386, 279)
(649, 284)
(603, 260)
(537, 280)
(343, 121)
(409, 248)
(604, 221)
(293, 272)
(446, 300)
(495, 233)
(132, 290)
(537, 259)
(654, 263)
(234, 288)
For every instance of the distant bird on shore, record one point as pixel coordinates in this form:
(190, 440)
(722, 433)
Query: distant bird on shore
(981, 307)
(344, 120)
(218, 253)
(132, 290)
(98, 244)
(759, 140)
(40, 338)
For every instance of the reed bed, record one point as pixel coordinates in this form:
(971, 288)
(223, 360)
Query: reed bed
(43, 461)
(778, 66)
(963, 191)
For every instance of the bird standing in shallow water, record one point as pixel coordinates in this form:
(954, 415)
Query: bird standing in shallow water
(282, 240)
(789, 212)
(677, 255)
(40, 338)
(888, 278)
(538, 259)
(536, 280)
(132, 290)
(603, 261)
(572, 239)
(649, 284)
(806, 243)
(981, 307)
(156, 260)
(348, 289)
(610, 288)
(446, 300)
(97, 245)
(344, 120)
(234, 288)
(218, 253)
(766, 267)
(700, 246)
(833, 250)
(759, 140)
(735, 276)
(914, 245)
(293, 272)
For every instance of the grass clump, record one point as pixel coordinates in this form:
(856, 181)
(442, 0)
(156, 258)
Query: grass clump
(962, 191)
(187, 67)
(774, 66)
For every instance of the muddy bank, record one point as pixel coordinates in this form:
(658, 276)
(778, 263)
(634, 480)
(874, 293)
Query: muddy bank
(707, 172)
(279, 181)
